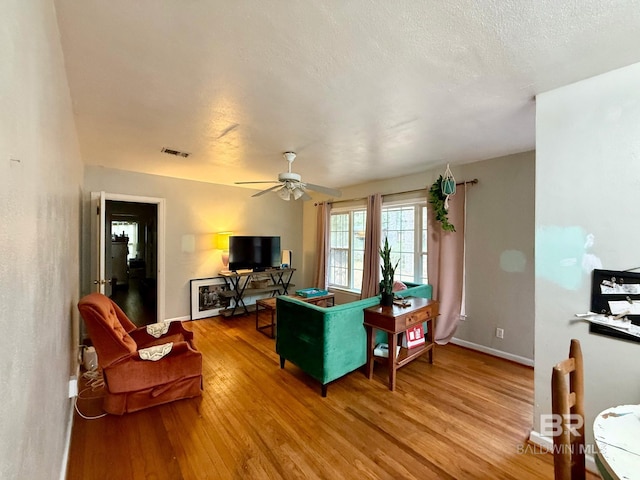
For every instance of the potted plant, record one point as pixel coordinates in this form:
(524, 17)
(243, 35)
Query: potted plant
(388, 270)
(437, 199)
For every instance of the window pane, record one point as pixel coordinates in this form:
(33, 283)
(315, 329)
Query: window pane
(343, 240)
(406, 266)
(357, 280)
(405, 229)
(339, 235)
(359, 221)
(406, 241)
(424, 229)
(424, 278)
(338, 267)
(358, 269)
(408, 218)
(129, 230)
(357, 248)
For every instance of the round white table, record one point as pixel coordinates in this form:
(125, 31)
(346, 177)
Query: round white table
(617, 437)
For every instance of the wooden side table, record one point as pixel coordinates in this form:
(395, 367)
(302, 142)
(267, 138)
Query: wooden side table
(269, 304)
(318, 299)
(396, 320)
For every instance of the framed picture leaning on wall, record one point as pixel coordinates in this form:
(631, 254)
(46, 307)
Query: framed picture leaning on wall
(206, 298)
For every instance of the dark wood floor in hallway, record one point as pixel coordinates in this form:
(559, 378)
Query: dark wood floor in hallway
(467, 416)
(138, 300)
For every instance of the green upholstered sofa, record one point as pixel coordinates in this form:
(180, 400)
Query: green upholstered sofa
(328, 342)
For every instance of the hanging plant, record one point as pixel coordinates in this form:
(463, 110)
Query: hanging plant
(437, 199)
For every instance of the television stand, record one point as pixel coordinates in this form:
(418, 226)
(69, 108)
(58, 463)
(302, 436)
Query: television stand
(275, 282)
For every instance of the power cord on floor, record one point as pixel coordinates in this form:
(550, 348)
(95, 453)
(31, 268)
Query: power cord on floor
(95, 382)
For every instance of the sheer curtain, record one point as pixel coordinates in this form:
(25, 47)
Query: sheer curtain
(321, 277)
(372, 241)
(445, 266)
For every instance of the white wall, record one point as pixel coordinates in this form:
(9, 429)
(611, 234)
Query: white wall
(587, 182)
(39, 243)
(500, 237)
(195, 211)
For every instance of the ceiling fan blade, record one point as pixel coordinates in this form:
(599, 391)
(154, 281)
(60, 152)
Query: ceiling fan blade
(266, 191)
(264, 181)
(326, 190)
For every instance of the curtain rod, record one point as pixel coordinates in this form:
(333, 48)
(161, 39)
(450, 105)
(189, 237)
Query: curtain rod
(466, 182)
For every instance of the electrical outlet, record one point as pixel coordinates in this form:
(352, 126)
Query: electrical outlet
(500, 332)
(73, 387)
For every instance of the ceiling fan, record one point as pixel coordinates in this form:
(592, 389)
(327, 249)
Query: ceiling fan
(290, 184)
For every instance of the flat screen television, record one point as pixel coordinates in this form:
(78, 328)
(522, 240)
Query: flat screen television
(251, 252)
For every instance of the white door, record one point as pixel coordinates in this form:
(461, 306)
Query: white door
(98, 236)
(101, 277)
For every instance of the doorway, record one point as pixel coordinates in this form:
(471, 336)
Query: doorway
(129, 256)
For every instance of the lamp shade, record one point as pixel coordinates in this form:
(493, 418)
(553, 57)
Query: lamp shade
(222, 240)
(297, 193)
(284, 193)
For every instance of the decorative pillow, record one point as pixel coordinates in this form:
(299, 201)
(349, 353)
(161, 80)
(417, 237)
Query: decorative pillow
(156, 352)
(158, 329)
(398, 285)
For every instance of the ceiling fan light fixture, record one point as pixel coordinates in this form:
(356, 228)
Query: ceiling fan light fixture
(284, 193)
(297, 193)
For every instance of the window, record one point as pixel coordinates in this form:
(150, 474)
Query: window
(130, 230)
(346, 248)
(405, 226)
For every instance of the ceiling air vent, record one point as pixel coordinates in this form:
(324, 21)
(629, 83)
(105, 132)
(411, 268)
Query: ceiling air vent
(177, 153)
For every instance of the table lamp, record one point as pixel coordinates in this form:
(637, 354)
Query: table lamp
(222, 243)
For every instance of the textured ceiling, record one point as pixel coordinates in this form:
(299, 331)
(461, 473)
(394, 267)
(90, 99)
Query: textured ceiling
(360, 89)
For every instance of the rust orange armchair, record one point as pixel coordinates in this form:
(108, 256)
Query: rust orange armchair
(131, 382)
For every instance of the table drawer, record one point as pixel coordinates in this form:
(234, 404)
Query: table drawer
(417, 316)
(398, 319)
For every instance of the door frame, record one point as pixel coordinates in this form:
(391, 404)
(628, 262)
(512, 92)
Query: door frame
(98, 200)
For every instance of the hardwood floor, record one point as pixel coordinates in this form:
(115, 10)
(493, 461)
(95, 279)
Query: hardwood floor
(465, 417)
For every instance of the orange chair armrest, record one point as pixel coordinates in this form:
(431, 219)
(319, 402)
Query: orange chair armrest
(176, 331)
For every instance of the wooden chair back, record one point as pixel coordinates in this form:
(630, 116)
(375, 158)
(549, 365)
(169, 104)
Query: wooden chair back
(567, 399)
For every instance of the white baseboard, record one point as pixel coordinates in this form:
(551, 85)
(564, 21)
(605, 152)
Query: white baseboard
(492, 351)
(546, 443)
(67, 441)
(178, 319)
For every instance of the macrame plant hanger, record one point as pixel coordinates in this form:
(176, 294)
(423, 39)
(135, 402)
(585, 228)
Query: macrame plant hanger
(448, 186)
